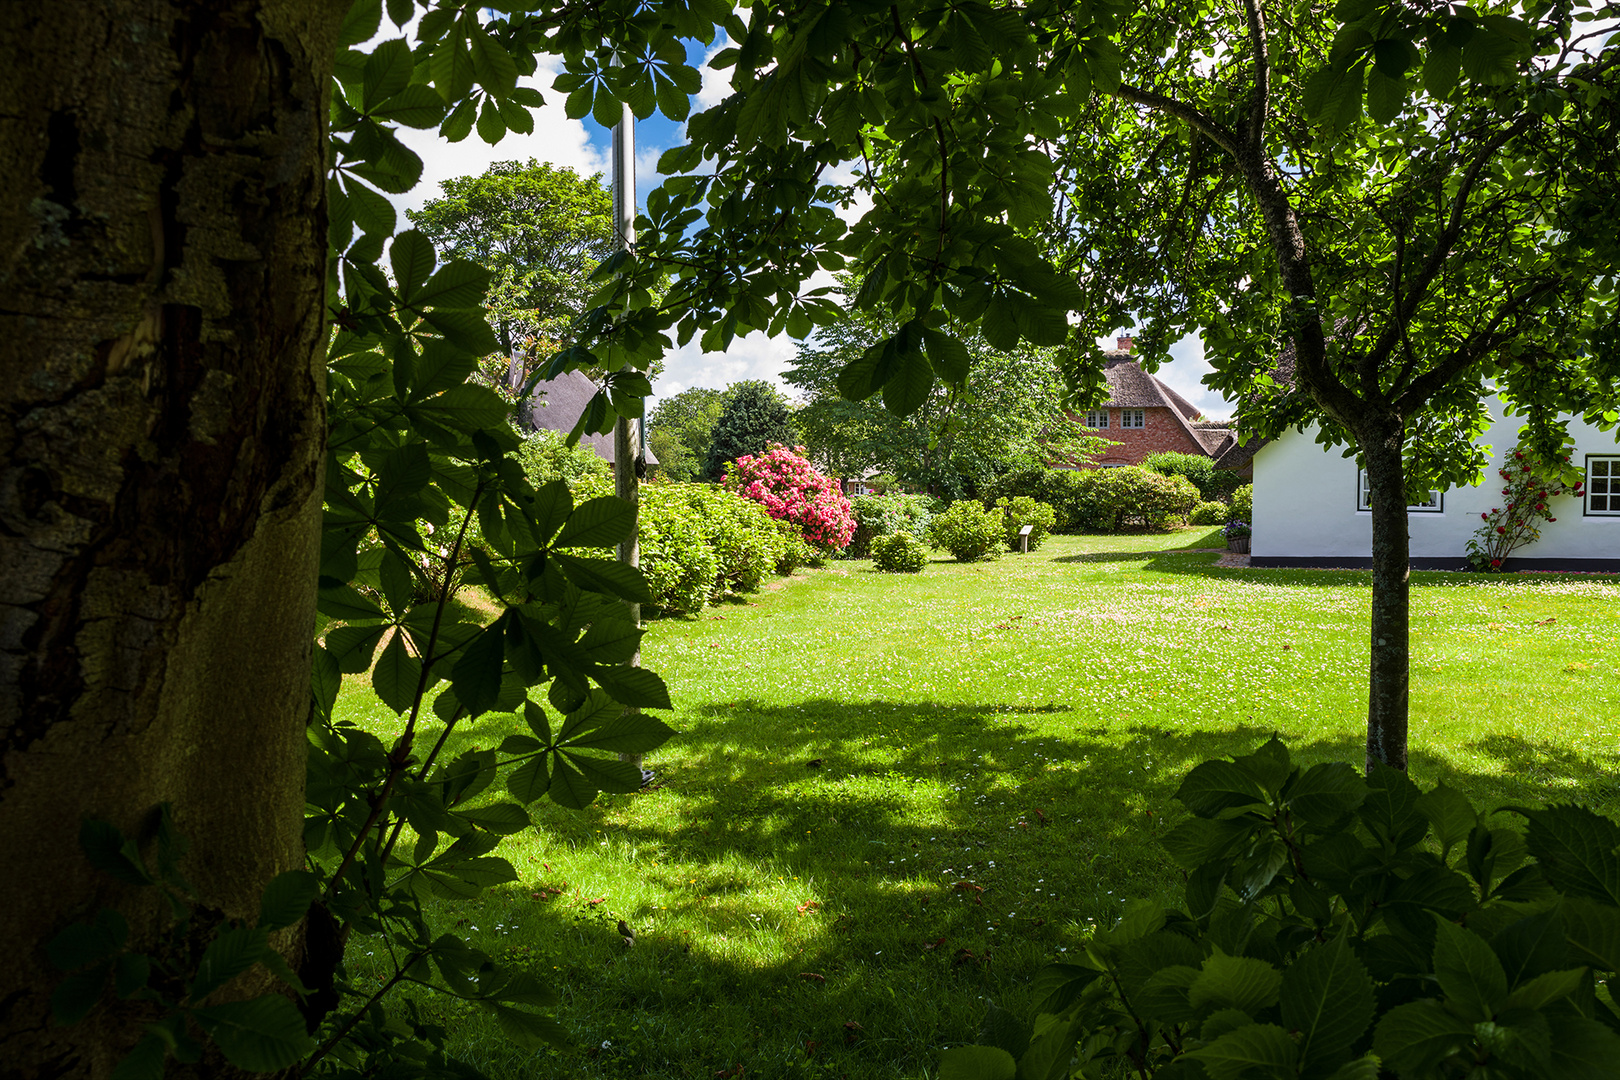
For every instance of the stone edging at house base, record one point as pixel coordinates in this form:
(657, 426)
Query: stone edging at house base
(1511, 566)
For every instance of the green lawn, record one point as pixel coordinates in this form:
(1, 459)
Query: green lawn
(892, 798)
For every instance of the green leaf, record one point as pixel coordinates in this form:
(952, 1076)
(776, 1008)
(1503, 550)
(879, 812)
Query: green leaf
(502, 819)
(493, 66)
(1592, 932)
(265, 1034)
(1442, 68)
(1545, 989)
(600, 575)
(1325, 793)
(1413, 1038)
(146, 1061)
(535, 717)
(411, 256)
(466, 329)
(89, 942)
(416, 106)
(599, 522)
(491, 124)
(372, 212)
(531, 1031)
(351, 647)
(459, 283)
(529, 781)
(397, 676)
(1391, 807)
(1531, 946)
(1328, 998)
(1197, 841)
(1468, 971)
(576, 774)
(1582, 1049)
(1235, 982)
(627, 733)
(1253, 1051)
(1220, 789)
(1386, 96)
(1450, 813)
(361, 23)
(287, 898)
(1576, 850)
(107, 850)
(228, 955)
(948, 355)
(1489, 56)
(78, 993)
(476, 676)
(977, 1063)
(387, 71)
(908, 385)
(465, 408)
(346, 603)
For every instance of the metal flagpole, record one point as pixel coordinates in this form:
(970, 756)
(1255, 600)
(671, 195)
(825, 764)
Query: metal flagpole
(628, 439)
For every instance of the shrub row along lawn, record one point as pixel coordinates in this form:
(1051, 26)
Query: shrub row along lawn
(894, 797)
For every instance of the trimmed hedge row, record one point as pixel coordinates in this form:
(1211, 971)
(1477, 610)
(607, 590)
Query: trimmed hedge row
(1101, 500)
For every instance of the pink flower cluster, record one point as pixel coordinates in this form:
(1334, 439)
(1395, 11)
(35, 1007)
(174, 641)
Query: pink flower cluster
(790, 489)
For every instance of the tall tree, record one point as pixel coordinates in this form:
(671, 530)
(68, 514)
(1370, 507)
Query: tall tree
(1008, 412)
(681, 427)
(755, 415)
(540, 230)
(1360, 213)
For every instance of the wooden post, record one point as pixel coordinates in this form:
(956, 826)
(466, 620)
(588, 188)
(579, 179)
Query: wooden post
(1023, 539)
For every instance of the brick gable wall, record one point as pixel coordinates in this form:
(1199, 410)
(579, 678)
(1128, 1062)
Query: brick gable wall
(1160, 433)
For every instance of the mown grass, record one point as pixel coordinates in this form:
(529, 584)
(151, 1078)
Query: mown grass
(893, 798)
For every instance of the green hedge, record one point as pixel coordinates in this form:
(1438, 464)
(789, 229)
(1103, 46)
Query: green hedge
(1101, 500)
(885, 515)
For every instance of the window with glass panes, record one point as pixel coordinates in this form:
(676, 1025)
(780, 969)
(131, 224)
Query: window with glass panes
(1097, 418)
(1603, 485)
(1132, 418)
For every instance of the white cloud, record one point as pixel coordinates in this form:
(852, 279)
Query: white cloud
(555, 139)
(753, 357)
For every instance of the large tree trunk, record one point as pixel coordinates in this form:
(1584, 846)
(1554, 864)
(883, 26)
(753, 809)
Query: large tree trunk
(162, 268)
(1389, 665)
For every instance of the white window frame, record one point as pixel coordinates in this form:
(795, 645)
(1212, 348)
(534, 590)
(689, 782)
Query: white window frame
(1608, 480)
(1127, 416)
(1097, 419)
(1435, 505)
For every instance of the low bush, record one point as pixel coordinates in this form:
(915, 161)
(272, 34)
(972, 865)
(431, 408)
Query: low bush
(968, 531)
(1023, 510)
(1064, 490)
(899, 552)
(698, 543)
(1343, 928)
(1118, 500)
(1242, 505)
(1209, 513)
(546, 456)
(885, 515)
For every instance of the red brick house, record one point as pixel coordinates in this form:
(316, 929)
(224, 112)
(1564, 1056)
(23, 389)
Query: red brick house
(1144, 416)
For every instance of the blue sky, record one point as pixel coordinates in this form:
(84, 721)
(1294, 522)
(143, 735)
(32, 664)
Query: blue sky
(584, 146)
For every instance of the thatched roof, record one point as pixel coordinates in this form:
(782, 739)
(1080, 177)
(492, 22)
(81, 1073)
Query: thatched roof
(1129, 387)
(556, 405)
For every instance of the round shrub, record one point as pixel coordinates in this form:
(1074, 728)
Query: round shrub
(968, 531)
(1064, 490)
(790, 489)
(1242, 506)
(899, 553)
(1208, 513)
(885, 515)
(546, 456)
(698, 543)
(1133, 497)
(1023, 510)
(1197, 468)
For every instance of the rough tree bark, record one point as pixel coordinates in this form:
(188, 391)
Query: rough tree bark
(1389, 658)
(162, 276)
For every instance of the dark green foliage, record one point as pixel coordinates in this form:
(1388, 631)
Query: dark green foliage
(1022, 510)
(755, 416)
(699, 543)
(1213, 484)
(968, 531)
(1209, 513)
(1333, 923)
(1241, 507)
(680, 429)
(885, 515)
(899, 552)
(1064, 490)
(1102, 500)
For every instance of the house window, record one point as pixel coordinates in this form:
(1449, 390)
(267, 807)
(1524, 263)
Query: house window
(1097, 418)
(1603, 486)
(1132, 418)
(1433, 505)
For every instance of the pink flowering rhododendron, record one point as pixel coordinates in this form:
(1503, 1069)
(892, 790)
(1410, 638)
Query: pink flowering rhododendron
(790, 489)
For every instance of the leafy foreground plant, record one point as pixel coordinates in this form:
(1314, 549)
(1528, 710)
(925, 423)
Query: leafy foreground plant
(1330, 932)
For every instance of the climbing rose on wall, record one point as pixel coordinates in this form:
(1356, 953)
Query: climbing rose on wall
(1518, 523)
(790, 489)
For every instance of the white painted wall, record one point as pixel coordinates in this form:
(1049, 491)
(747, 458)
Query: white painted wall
(1305, 503)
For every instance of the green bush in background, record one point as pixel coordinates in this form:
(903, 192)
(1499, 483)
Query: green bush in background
(1022, 510)
(1119, 500)
(968, 531)
(899, 552)
(1241, 507)
(1209, 513)
(885, 515)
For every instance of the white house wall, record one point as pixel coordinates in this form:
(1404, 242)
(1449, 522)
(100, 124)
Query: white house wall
(1305, 509)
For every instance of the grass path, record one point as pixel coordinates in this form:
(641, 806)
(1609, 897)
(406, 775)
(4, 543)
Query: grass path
(894, 797)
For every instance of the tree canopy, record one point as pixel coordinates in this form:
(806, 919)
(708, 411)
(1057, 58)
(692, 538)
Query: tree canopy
(754, 415)
(680, 429)
(1008, 412)
(540, 230)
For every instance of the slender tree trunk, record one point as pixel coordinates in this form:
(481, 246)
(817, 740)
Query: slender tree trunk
(1389, 666)
(162, 257)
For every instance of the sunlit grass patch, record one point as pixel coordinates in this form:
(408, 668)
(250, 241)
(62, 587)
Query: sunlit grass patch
(894, 797)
